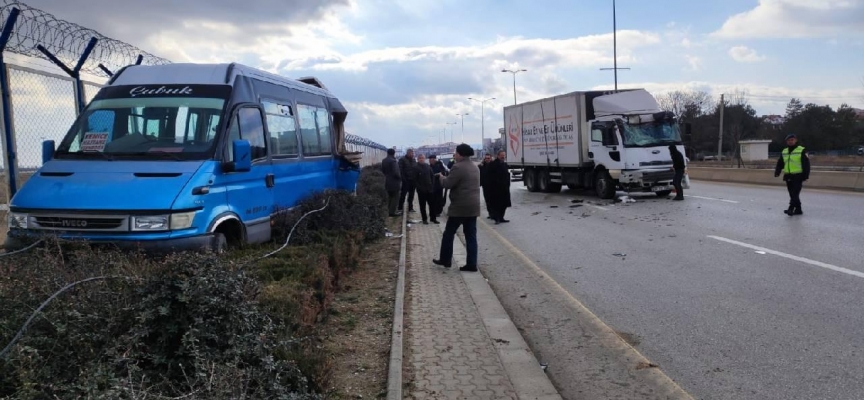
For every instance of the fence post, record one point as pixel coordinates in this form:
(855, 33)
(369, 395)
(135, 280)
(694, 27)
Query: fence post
(6, 99)
(74, 73)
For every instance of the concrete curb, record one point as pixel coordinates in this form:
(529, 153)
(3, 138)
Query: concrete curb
(394, 377)
(528, 379)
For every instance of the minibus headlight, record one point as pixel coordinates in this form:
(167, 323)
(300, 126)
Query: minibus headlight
(18, 221)
(182, 220)
(150, 223)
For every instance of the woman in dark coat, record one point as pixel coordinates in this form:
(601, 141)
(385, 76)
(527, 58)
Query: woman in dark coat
(499, 193)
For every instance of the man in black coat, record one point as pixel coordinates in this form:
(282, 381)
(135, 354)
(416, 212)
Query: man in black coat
(499, 193)
(437, 189)
(485, 183)
(679, 165)
(393, 181)
(406, 168)
(423, 182)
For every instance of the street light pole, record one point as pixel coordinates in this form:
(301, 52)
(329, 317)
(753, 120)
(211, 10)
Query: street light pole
(482, 122)
(462, 116)
(614, 47)
(514, 72)
(451, 130)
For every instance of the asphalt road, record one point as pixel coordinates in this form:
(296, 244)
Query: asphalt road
(731, 298)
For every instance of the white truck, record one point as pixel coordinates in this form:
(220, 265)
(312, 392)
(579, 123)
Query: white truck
(601, 140)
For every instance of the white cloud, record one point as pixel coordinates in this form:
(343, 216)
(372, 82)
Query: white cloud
(574, 52)
(745, 54)
(695, 62)
(782, 19)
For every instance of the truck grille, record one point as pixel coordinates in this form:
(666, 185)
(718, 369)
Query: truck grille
(81, 223)
(657, 176)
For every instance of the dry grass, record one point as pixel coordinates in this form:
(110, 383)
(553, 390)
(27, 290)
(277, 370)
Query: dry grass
(356, 335)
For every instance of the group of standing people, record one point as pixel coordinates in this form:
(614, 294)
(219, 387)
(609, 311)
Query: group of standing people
(410, 175)
(495, 181)
(431, 180)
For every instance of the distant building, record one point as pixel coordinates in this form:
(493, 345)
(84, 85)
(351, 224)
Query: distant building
(442, 148)
(859, 113)
(774, 119)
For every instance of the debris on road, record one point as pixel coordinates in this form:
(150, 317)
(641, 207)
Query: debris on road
(553, 206)
(543, 366)
(577, 201)
(576, 206)
(390, 235)
(625, 199)
(761, 252)
(523, 296)
(536, 213)
(502, 341)
(644, 365)
(620, 255)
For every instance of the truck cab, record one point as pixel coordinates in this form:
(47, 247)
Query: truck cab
(185, 157)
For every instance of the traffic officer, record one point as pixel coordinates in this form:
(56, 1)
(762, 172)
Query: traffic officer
(795, 166)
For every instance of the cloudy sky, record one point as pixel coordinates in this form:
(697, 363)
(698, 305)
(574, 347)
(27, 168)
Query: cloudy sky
(405, 68)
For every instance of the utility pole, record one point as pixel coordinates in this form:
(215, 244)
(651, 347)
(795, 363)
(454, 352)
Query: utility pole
(614, 46)
(451, 130)
(720, 142)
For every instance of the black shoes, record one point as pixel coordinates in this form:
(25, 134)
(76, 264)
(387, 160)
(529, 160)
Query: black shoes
(793, 211)
(435, 222)
(441, 263)
(425, 222)
(469, 268)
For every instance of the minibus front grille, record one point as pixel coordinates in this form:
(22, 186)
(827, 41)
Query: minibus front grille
(81, 223)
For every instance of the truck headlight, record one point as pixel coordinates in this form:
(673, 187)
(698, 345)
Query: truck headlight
(18, 221)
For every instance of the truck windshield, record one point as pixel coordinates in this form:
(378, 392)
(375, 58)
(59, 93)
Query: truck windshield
(649, 134)
(148, 122)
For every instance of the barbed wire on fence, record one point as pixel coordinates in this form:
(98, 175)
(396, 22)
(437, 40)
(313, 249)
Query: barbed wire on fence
(361, 141)
(67, 41)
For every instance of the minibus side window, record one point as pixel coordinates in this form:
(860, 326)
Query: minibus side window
(248, 125)
(282, 128)
(322, 117)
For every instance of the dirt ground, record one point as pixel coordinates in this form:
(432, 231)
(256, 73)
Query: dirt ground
(357, 333)
(4, 226)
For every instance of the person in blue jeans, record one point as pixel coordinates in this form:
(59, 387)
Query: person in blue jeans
(464, 185)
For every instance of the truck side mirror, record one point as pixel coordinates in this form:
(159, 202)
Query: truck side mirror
(242, 161)
(47, 151)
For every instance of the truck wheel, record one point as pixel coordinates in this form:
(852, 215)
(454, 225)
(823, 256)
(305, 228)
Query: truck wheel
(554, 188)
(530, 177)
(604, 185)
(664, 193)
(573, 187)
(543, 181)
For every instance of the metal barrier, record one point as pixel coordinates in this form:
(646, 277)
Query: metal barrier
(373, 152)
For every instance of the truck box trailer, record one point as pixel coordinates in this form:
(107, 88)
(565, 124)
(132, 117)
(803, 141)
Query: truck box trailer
(605, 141)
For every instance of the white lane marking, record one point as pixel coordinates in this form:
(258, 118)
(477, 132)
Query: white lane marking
(711, 198)
(600, 208)
(791, 257)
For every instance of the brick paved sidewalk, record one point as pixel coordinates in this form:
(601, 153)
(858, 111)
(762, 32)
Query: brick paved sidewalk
(452, 354)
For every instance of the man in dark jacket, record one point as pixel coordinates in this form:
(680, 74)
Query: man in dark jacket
(485, 183)
(423, 182)
(393, 181)
(795, 165)
(678, 165)
(464, 185)
(406, 167)
(499, 191)
(437, 189)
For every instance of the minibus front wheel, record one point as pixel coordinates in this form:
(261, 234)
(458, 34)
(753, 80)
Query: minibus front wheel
(220, 243)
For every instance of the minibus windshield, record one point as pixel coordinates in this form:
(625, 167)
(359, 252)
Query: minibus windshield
(148, 122)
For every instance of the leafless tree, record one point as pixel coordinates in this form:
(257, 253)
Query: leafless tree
(685, 103)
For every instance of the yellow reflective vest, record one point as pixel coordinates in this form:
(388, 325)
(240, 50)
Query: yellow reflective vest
(792, 161)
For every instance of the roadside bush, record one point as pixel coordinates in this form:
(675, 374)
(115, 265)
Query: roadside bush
(187, 324)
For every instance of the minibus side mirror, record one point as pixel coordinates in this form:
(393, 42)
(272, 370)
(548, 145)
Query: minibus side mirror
(242, 161)
(47, 151)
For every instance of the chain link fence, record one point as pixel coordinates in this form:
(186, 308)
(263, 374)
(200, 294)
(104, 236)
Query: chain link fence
(373, 152)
